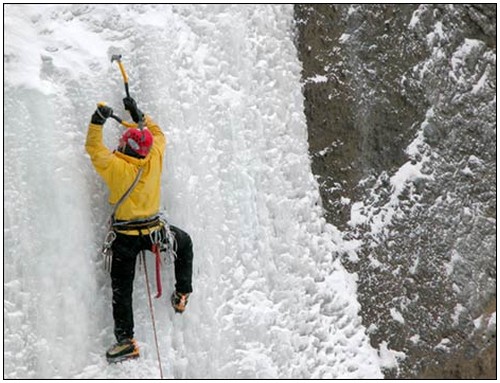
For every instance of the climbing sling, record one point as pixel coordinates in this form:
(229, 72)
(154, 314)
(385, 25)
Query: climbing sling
(111, 234)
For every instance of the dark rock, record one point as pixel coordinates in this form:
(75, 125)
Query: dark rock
(400, 102)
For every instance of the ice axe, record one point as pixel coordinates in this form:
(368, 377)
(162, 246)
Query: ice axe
(118, 59)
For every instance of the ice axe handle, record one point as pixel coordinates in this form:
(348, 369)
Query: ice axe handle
(123, 122)
(118, 58)
(115, 117)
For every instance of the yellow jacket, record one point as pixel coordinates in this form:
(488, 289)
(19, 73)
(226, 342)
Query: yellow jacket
(119, 171)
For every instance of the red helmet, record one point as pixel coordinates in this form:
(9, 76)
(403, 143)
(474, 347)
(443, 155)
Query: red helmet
(140, 141)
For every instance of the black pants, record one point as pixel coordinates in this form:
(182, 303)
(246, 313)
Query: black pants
(125, 250)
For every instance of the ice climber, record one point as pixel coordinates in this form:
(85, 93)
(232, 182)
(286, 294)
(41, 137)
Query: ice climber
(136, 221)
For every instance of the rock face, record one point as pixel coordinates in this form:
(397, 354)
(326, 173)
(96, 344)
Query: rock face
(401, 109)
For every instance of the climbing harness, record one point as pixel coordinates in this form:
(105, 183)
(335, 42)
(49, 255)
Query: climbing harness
(160, 235)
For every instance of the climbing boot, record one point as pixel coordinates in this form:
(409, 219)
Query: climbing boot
(179, 301)
(123, 350)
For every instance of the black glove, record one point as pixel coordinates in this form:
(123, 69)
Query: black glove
(101, 114)
(130, 105)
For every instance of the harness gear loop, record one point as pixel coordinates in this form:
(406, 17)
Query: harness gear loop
(155, 236)
(106, 250)
(168, 245)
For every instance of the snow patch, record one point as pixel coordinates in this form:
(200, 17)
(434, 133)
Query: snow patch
(344, 38)
(396, 315)
(390, 358)
(415, 17)
(317, 79)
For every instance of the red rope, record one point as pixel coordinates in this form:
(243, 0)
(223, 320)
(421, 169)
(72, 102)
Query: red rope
(156, 251)
(152, 312)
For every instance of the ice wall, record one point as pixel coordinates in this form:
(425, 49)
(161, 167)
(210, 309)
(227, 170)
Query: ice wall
(270, 300)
